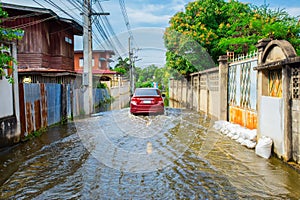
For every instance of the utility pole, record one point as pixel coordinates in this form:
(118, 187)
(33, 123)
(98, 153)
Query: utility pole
(131, 75)
(87, 76)
(131, 67)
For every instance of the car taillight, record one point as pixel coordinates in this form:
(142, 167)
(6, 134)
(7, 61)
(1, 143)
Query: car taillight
(158, 99)
(135, 100)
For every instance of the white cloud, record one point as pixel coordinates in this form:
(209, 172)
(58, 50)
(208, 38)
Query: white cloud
(159, 14)
(145, 16)
(295, 11)
(178, 5)
(154, 7)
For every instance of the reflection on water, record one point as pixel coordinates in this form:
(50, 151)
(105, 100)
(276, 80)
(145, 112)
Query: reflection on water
(61, 164)
(117, 103)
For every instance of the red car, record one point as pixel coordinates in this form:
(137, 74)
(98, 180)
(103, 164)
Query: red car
(146, 101)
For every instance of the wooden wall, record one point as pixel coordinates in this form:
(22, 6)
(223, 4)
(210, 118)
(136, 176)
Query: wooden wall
(43, 44)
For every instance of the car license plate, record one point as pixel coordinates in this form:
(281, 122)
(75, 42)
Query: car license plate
(146, 102)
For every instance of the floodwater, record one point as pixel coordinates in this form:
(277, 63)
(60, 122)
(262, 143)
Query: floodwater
(115, 155)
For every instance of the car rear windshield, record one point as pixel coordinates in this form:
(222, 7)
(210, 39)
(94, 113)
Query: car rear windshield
(147, 92)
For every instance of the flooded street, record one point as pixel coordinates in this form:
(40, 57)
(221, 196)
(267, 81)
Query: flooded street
(115, 155)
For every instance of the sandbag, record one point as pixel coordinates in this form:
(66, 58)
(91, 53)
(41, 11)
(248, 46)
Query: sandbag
(263, 147)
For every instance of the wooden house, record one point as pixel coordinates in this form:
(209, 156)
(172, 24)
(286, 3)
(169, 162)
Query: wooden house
(46, 51)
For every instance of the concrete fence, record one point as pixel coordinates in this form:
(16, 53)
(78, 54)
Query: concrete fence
(201, 93)
(120, 95)
(258, 91)
(9, 104)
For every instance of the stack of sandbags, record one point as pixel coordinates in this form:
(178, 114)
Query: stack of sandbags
(244, 136)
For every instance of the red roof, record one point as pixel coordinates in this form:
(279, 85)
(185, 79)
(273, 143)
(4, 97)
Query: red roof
(79, 71)
(99, 71)
(39, 70)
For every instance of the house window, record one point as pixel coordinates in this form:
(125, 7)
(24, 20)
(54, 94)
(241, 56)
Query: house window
(68, 40)
(100, 64)
(80, 62)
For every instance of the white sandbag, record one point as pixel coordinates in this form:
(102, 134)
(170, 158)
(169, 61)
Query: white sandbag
(240, 140)
(263, 147)
(223, 129)
(217, 126)
(252, 135)
(244, 143)
(251, 144)
(230, 135)
(235, 137)
(242, 133)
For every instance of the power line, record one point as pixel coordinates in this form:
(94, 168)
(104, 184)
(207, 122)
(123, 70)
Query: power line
(126, 20)
(104, 30)
(22, 26)
(76, 4)
(50, 2)
(110, 29)
(104, 33)
(19, 16)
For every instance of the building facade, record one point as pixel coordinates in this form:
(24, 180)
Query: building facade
(46, 51)
(100, 66)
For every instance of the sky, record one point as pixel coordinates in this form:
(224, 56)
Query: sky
(147, 19)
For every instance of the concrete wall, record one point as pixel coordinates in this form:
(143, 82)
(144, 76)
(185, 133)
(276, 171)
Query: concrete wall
(296, 129)
(201, 92)
(295, 86)
(271, 121)
(9, 107)
(8, 120)
(6, 96)
(121, 95)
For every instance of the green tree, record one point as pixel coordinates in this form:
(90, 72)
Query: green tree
(244, 29)
(7, 35)
(216, 26)
(123, 66)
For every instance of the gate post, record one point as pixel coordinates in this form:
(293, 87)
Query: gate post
(262, 80)
(287, 121)
(223, 86)
(274, 94)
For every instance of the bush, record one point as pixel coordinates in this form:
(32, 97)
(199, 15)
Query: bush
(101, 85)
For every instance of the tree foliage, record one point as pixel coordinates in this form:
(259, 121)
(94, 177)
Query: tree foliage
(7, 35)
(217, 26)
(146, 76)
(123, 66)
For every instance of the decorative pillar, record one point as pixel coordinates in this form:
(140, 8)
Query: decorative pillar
(223, 86)
(262, 80)
(16, 92)
(287, 121)
(198, 93)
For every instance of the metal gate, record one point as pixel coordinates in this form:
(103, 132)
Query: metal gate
(242, 87)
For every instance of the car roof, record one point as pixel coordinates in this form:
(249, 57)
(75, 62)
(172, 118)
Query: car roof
(146, 89)
(138, 91)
